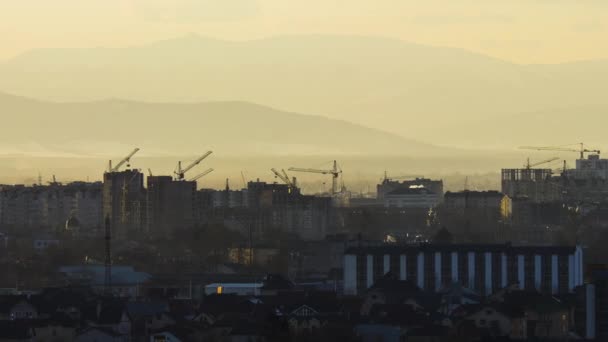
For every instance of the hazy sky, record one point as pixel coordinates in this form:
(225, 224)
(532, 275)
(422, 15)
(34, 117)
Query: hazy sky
(525, 31)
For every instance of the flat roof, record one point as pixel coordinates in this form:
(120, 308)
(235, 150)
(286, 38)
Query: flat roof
(236, 285)
(402, 248)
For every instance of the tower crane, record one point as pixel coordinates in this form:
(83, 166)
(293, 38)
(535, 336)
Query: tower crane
(181, 173)
(529, 166)
(335, 172)
(294, 183)
(125, 160)
(280, 176)
(582, 150)
(285, 178)
(200, 175)
(244, 181)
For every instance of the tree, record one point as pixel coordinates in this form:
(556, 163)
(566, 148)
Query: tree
(443, 236)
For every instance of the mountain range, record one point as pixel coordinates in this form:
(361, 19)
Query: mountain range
(437, 95)
(167, 129)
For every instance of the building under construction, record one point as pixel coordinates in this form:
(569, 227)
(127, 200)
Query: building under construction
(170, 205)
(124, 202)
(537, 185)
(587, 182)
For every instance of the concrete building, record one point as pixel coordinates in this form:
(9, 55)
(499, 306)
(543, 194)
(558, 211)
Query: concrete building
(124, 202)
(126, 281)
(309, 217)
(279, 206)
(48, 207)
(461, 200)
(482, 268)
(591, 168)
(389, 185)
(412, 198)
(537, 185)
(587, 182)
(592, 306)
(171, 205)
(262, 195)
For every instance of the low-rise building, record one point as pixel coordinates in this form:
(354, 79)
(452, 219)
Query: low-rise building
(126, 282)
(483, 268)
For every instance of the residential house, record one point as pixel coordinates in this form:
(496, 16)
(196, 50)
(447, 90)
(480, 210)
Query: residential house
(100, 334)
(17, 308)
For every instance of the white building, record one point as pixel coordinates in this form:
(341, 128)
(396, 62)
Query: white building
(482, 268)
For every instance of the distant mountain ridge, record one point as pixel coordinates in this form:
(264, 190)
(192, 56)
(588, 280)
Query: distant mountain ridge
(432, 94)
(232, 128)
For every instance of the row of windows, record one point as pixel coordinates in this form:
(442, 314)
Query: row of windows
(475, 278)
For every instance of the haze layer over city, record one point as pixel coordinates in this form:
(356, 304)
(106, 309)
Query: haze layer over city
(303, 171)
(441, 88)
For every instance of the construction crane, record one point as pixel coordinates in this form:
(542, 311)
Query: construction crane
(292, 181)
(125, 160)
(181, 173)
(529, 166)
(244, 181)
(335, 172)
(285, 178)
(54, 181)
(280, 176)
(200, 175)
(582, 150)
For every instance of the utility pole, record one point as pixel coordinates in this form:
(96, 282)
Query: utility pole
(108, 259)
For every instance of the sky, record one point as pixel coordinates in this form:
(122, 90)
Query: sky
(521, 31)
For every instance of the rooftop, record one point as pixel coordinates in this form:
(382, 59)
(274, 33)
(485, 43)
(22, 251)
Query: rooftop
(385, 248)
